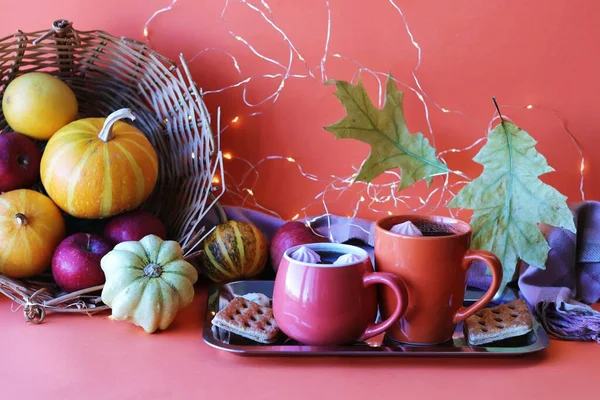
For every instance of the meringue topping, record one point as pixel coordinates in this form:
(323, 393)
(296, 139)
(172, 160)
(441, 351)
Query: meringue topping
(305, 254)
(349, 258)
(406, 228)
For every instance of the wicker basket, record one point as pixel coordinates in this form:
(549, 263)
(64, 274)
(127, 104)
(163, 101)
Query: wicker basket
(107, 73)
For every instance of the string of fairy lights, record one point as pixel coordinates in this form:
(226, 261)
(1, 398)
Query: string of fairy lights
(374, 196)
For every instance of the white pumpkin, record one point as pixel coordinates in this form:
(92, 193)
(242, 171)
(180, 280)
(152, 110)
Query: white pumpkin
(147, 282)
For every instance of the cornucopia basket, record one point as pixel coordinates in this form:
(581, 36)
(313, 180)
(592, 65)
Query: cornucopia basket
(108, 73)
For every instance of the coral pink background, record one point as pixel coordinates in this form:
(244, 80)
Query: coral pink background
(522, 53)
(540, 53)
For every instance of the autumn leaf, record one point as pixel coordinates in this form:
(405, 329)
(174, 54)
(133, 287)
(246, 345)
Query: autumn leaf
(385, 130)
(509, 200)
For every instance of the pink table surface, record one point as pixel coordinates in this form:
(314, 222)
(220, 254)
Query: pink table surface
(81, 357)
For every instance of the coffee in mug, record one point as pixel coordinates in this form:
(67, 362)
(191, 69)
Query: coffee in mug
(432, 264)
(324, 294)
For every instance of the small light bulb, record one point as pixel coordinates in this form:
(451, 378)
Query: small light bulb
(295, 217)
(236, 119)
(389, 213)
(216, 180)
(529, 106)
(146, 33)
(250, 192)
(227, 156)
(193, 156)
(445, 110)
(290, 159)
(362, 198)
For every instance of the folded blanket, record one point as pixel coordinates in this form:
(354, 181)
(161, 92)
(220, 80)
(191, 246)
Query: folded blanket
(559, 294)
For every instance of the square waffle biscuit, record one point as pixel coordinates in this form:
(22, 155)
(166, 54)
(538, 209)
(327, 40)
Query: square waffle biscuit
(498, 323)
(248, 319)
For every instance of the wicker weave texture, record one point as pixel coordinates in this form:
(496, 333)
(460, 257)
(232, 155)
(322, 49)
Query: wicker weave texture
(108, 73)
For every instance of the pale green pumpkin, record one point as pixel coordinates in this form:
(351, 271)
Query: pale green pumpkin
(147, 282)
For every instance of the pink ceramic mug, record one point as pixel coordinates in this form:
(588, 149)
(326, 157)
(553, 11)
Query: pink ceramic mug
(325, 304)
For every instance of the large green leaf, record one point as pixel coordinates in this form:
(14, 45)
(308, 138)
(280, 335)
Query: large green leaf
(509, 200)
(392, 145)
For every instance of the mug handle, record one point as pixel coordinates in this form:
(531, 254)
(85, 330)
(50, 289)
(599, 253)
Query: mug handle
(399, 290)
(495, 266)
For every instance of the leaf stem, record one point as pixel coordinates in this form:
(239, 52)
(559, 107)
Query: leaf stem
(498, 109)
(509, 189)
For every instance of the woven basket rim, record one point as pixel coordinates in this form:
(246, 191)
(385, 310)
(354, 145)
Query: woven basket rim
(53, 29)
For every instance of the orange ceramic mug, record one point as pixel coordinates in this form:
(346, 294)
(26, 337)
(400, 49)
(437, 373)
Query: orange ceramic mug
(433, 267)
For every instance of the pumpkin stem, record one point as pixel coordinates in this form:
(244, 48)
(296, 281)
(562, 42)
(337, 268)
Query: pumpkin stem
(21, 219)
(106, 132)
(152, 270)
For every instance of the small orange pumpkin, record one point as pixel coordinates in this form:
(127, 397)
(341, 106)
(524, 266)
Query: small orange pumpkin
(31, 227)
(99, 167)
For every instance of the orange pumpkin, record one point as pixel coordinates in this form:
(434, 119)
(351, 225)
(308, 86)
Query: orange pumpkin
(99, 167)
(31, 227)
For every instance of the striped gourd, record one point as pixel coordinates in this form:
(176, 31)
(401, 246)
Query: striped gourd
(99, 167)
(31, 227)
(234, 250)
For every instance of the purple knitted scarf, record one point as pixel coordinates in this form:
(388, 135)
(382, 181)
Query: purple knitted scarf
(576, 323)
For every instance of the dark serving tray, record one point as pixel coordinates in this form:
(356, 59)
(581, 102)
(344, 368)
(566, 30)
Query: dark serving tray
(220, 295)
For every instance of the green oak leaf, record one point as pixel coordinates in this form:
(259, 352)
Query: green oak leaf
(509, 201)
(392, 145)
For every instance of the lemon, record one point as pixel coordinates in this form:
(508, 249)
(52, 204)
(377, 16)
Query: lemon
(37, 104)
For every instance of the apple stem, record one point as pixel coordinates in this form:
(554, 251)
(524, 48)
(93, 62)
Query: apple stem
(22, 161)
(21, 219)
(106, 132)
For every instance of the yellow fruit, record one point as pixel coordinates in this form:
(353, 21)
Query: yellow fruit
(31, 227)
(99, 167)
(38, 104)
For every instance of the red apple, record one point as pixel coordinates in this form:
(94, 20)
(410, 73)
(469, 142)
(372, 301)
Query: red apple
(19, 161)
(134, 225)
(291, 234)
(76, 261)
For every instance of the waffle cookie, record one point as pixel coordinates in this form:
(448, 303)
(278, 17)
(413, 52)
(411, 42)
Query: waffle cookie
(248, 319)
(498, 323)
